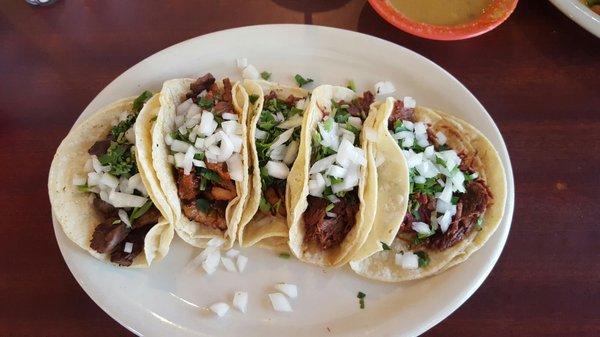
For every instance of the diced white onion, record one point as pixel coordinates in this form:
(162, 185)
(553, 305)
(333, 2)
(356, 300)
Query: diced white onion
(420, 227)
(228, 264)
(109, 180)
(384, 88)
(336, 171)
(207, 124)
(322, 164)
(235, 167)
(119, 200)
(316, 185)
(128, 247)
(130, 135)
(277, 169)
(229, 116)
(88, 167)
(179, 146)
(232, 127)
(409, 102)
(410, 261)
(291, 290)
(260, 134)
(220, 309)
(215, 242)
(123, 216)
(331, 214)
(445, 220)
(241, 262)
(240, 301)
(419, 180)
(293, 122)
(232, 253)
(355, 121)
(279, 302)
(283, 137)
(250, 73)
(446, 194)
(420, 128)
(187, 160)
(441, 138)
(184, 106)
(301, 104)
(241, 63)
(291, 152)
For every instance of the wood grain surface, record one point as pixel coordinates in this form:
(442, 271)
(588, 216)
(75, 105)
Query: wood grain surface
(538, 75)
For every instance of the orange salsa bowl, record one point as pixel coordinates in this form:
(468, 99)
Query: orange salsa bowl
(496, 13)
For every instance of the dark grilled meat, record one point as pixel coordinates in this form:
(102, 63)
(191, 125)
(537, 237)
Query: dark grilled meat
(107, 236)
(187, 185)
(201, 84)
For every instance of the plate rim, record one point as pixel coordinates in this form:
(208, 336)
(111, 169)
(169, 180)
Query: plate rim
(448, 308)
(579, 14)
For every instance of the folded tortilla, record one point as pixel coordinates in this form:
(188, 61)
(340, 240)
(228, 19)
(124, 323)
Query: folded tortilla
(267, 231)
(74, 210)
(172, 94)
(298, 188)
(461, 137)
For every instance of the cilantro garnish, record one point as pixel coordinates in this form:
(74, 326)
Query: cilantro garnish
(203, 205)
(253, 98)
(265, 75)
(206, 103)
(139, 211)
(350, 85)
(121, 160)
(264, 205)
(361, 299)
(385, 246)
(83, 188)
(301, 80)
(329, 207)
(284, 255)
(423, 259)
(139, 102)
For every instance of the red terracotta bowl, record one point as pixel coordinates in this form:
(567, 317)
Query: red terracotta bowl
(497, 13)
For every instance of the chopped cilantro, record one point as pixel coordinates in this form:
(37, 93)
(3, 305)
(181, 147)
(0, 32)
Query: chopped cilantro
(361, 299)
(121, 160)
(265, 75)
(206, 103)
(479, 223)
(329, 207)
(335, 180)
(423, 259)
(264, 205)
(454, 200)
(267, 121)
(385, 246)
(139, 211)
(350, 85)
(328, 124)
(139, 102)
(284, 255)
(295, 111)
(301, 80)
(352, 128)
(253, 98)
(199, 156)
(210, 175)
(119, 130)
(116, 222)
(83, 188)
(203, 205)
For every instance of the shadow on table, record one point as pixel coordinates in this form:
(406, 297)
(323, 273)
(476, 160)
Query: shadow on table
(310, 7)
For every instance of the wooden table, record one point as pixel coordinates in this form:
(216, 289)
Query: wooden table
(538, 75)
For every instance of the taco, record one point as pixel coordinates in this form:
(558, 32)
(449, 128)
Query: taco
(274, 124)
(200, 156)
(99, 193)
(333, 183)
(456, 196)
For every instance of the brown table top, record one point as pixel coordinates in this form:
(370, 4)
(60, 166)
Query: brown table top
(538, 75)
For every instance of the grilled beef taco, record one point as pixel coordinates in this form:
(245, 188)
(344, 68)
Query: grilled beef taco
(200, 156)
(456, 196)
(99, 193)
(274, 123)
(332, 186)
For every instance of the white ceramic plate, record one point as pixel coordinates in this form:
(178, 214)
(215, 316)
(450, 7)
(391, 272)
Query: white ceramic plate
(581, 14)
(166, 301)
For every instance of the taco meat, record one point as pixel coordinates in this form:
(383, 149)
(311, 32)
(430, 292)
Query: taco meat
(214, 217)
(399, 113)
(150, 217)
(100, 147)
(359, 107)
(108, 235)
(469, 208)
(104, 208)
(136, 238)
(187, 185)
(201, 84)
(326, 231)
